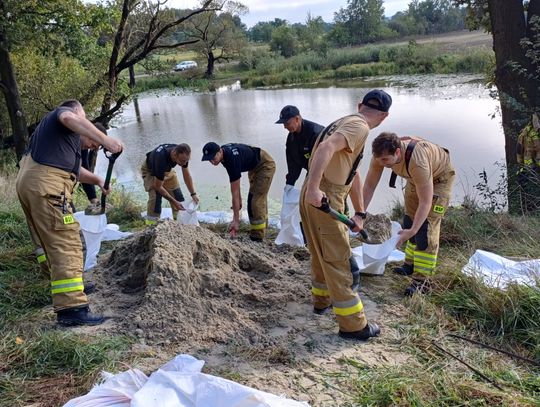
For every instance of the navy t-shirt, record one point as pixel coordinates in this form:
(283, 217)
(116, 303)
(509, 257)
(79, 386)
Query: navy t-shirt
(55, 145)
(238, 158)
(159, 161)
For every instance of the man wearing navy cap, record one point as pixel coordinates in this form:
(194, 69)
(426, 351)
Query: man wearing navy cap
(238, 158)
(332, 174)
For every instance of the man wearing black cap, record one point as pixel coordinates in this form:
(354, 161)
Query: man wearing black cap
(300, 141)
(332, 175)
(238, 158)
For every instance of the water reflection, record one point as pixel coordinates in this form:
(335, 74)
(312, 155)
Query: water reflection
(453, 111)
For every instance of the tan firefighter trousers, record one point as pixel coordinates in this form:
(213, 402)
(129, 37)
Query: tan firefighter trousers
(170, 183)
(422, 251)
(45, 196)
(328, 244)
(260, 179)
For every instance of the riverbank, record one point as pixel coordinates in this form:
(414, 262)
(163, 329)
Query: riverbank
(302, 357)
(450, 54)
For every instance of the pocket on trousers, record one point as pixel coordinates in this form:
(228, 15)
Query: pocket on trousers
(59, 219)
(332, 246)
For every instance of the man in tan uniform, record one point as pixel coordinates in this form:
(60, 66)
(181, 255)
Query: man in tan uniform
(528, 159)
(47, 176)
(332, 173)
(160, 180)
(430, 176)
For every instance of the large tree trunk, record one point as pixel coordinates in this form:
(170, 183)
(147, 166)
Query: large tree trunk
(509, 28)
(211, 60)
(8, 85)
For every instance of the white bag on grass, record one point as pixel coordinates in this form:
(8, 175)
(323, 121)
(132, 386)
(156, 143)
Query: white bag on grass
(290, 231)
(189, 215)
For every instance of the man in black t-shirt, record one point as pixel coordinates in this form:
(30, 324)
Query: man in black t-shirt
(160, 180)
(48, 173)
(238, 158)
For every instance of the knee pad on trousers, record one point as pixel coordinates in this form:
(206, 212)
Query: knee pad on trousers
(249, 205)
(422, 237)
(177, 193)
(407, 224)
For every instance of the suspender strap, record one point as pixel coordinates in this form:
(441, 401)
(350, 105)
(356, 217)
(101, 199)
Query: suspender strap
(330, 129)
(408, 154)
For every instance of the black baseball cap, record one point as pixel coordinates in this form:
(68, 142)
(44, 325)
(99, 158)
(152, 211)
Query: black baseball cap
(286, 113)
(209, 151)
(384, 101)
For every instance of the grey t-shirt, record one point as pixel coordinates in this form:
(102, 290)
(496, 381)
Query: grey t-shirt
(55, 145)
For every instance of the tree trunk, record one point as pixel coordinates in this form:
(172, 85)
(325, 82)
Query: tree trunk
(131, 76)
(515, 105)
(211, 60)
(8, 85)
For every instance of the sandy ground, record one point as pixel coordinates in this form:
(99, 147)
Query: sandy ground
(243, 307)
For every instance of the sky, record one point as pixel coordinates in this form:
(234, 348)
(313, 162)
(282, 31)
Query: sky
(294, 11)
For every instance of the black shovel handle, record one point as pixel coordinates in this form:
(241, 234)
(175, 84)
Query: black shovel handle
(112, 158)
(326, 208)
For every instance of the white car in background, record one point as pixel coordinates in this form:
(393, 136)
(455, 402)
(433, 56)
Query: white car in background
(182, 66)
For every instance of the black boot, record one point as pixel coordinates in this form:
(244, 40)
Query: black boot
(405, 270)
(418, 286)
(78, 316)
(89, 288)
(371, 330)
(322, 311)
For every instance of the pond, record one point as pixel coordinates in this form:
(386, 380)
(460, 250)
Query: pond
(455, 112)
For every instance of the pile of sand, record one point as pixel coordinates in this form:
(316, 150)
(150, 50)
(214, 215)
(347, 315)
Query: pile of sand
(173, 283)
(378, 227)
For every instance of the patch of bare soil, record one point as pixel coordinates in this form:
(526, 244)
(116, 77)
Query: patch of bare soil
(243, 307)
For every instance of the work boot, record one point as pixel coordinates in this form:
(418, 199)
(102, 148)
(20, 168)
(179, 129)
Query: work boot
(89, 288)
(78, 316)
(322, 311)
(405, 270)
(371, 330)
(418, 286)
(255, 238)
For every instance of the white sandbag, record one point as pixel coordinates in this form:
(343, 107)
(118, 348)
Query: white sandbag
(189, 215)
(290, 231)
(178, 383)
(371, 258)
(497, 271)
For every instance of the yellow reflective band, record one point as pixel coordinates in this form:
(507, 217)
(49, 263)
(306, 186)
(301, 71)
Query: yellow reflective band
(438, 209)
(66, 281)
(69, 289)
(423, 255)
(350, 310)
(68, 219)
(42, 258)
(321, 292)
(258, 227)
(423, 270)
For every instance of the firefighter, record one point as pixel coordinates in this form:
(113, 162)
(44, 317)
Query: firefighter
(238, 158)
(48, 173)
(332, 174)
(160, 180)
(528, 159)
(300, 141)
(430, 176)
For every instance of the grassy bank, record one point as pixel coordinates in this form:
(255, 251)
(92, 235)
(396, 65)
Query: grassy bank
(40, 363)
(260, 67)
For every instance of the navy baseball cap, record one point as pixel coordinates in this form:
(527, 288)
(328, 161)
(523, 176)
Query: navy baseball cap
(287, 113)
(209, 151)
(383, 99)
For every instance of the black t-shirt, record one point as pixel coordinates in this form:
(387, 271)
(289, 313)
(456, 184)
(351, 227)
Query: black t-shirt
(298, 149)
(159, 160)
(55, 145)
(238, 158)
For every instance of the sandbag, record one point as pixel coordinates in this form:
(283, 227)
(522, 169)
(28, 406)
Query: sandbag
(290, 231)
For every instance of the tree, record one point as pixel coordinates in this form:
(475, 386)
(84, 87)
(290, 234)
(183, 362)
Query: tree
(514, 26)
(284, 41)
(219, 36)
(312, 35)
(361, 21)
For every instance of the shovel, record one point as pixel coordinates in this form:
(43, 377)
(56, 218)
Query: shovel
(326, 208)
(100, 210)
